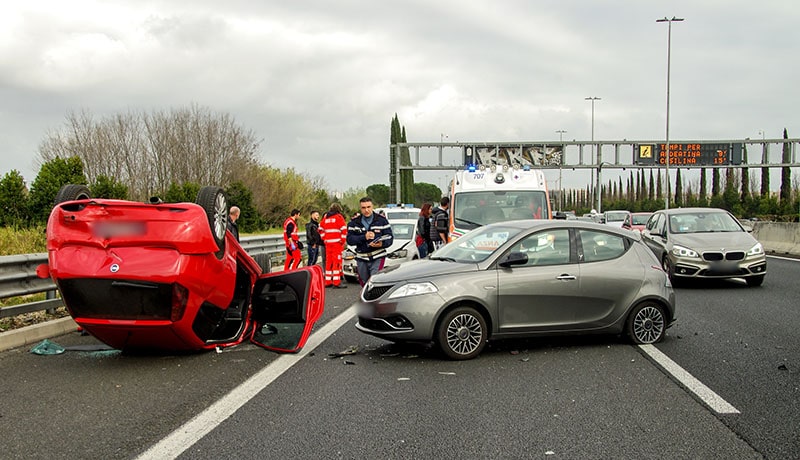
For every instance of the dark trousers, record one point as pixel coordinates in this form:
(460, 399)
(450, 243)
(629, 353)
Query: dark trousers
(313, 254)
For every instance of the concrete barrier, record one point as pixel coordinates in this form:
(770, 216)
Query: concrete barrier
(31, 334)
(779, 238)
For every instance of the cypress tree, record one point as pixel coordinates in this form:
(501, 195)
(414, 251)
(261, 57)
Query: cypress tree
(702, 196)
(678, 189)
(786, 176)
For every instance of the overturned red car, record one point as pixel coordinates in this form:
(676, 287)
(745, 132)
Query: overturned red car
(169, 276)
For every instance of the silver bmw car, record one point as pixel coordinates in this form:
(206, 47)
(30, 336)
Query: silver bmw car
(522, 279)
(704, 243)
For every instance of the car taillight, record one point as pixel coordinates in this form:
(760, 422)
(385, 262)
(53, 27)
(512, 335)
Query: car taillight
(180, 296)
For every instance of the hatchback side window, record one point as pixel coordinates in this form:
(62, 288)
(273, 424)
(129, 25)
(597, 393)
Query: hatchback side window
(600, 245)
(550, 247)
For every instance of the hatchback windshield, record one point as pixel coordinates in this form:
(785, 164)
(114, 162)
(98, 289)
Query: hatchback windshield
(703, 222)
(476, 245)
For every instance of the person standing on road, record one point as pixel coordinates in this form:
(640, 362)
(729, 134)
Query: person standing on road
(233, 216)
(370, 233)
(440, 224)
(313, 239)
(292, 240)
(333, 230)
(423, 236)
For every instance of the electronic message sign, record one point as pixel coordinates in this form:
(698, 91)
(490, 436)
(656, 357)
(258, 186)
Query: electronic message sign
(693, 154)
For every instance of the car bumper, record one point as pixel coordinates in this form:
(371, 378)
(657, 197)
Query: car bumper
(126, 297)
(409, 318)
(699, 268)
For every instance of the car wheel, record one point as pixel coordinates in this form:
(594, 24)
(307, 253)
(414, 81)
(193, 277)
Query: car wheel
(755, 281)
(71, 192)
(462, 333)
(264, 261)
(647, 323)
(215, 203)
(668, 268)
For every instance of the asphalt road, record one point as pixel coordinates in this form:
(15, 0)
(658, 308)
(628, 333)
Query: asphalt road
(568, 398)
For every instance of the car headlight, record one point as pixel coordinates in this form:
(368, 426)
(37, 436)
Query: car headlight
(399, 254)
(413, 289)
(680, 251)
(758, 249)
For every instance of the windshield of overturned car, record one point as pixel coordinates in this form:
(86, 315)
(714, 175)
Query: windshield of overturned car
(476, 245)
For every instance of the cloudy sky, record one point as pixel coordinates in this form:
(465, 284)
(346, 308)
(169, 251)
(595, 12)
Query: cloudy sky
(319, 81)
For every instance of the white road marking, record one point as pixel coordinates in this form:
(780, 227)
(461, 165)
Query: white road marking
(194, 430)
(711, 399)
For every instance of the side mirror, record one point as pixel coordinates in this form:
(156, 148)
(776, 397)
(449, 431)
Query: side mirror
(513, 258)
(561, 215)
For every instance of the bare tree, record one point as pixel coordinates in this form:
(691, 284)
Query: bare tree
(148, 152)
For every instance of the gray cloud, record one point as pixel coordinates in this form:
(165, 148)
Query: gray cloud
(320, 81)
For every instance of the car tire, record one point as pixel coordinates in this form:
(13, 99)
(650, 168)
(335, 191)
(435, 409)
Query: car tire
(666, 265)
(72, 192)
(264, 261)
(461, 333)
(647, 323)
(755, 281)
(215, 203)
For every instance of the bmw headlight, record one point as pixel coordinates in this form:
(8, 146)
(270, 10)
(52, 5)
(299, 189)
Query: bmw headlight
(413, 289)
(756, 250)
(680, 251)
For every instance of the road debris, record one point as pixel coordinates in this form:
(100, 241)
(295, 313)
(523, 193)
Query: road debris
(350, 351)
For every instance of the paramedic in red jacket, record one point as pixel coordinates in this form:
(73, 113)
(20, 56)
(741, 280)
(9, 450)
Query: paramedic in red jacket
(292, 239)
(333, 230)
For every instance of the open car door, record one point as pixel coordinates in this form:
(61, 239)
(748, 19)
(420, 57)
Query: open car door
(285, 307)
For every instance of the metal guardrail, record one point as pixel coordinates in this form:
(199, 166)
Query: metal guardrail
(18, 274)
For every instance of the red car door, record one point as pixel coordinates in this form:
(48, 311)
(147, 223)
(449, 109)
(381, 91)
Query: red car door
(285, 307)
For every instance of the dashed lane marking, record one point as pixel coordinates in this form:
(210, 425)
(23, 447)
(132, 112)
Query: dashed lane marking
(711, 399)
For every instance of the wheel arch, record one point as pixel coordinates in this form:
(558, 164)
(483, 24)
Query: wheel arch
(478, 306)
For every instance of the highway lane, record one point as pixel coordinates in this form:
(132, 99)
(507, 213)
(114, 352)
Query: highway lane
(744, 343)
(573, 398)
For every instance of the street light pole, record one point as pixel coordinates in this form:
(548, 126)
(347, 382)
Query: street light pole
(669, 55)
(560, 185)
(596, 151)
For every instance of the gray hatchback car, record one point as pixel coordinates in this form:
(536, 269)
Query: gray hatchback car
(522, 279)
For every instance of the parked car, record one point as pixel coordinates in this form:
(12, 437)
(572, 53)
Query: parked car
(170, 276)
(402, 249)
(706, 243)
(522, 279)
(636, 221)
(398, 212)
(615, 218)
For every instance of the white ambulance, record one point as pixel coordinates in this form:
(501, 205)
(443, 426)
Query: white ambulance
(485, 194)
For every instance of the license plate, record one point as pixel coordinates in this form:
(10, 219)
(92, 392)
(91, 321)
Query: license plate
(117, 229)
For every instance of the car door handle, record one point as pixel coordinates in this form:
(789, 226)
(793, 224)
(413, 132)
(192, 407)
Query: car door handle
(566, 277)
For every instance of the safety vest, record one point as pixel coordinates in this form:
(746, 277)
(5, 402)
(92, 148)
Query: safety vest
(333, 229)
(294, 236)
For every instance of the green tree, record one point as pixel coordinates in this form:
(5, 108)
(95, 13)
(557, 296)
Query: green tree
(678, 189)
(407, 175)
(702, 196)
(182, 193)
(425, 192)
(52, 176)
(786, 177)
(730, 196)
(240, 196)
(379, 194)
(13, 200)
(108, 187)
